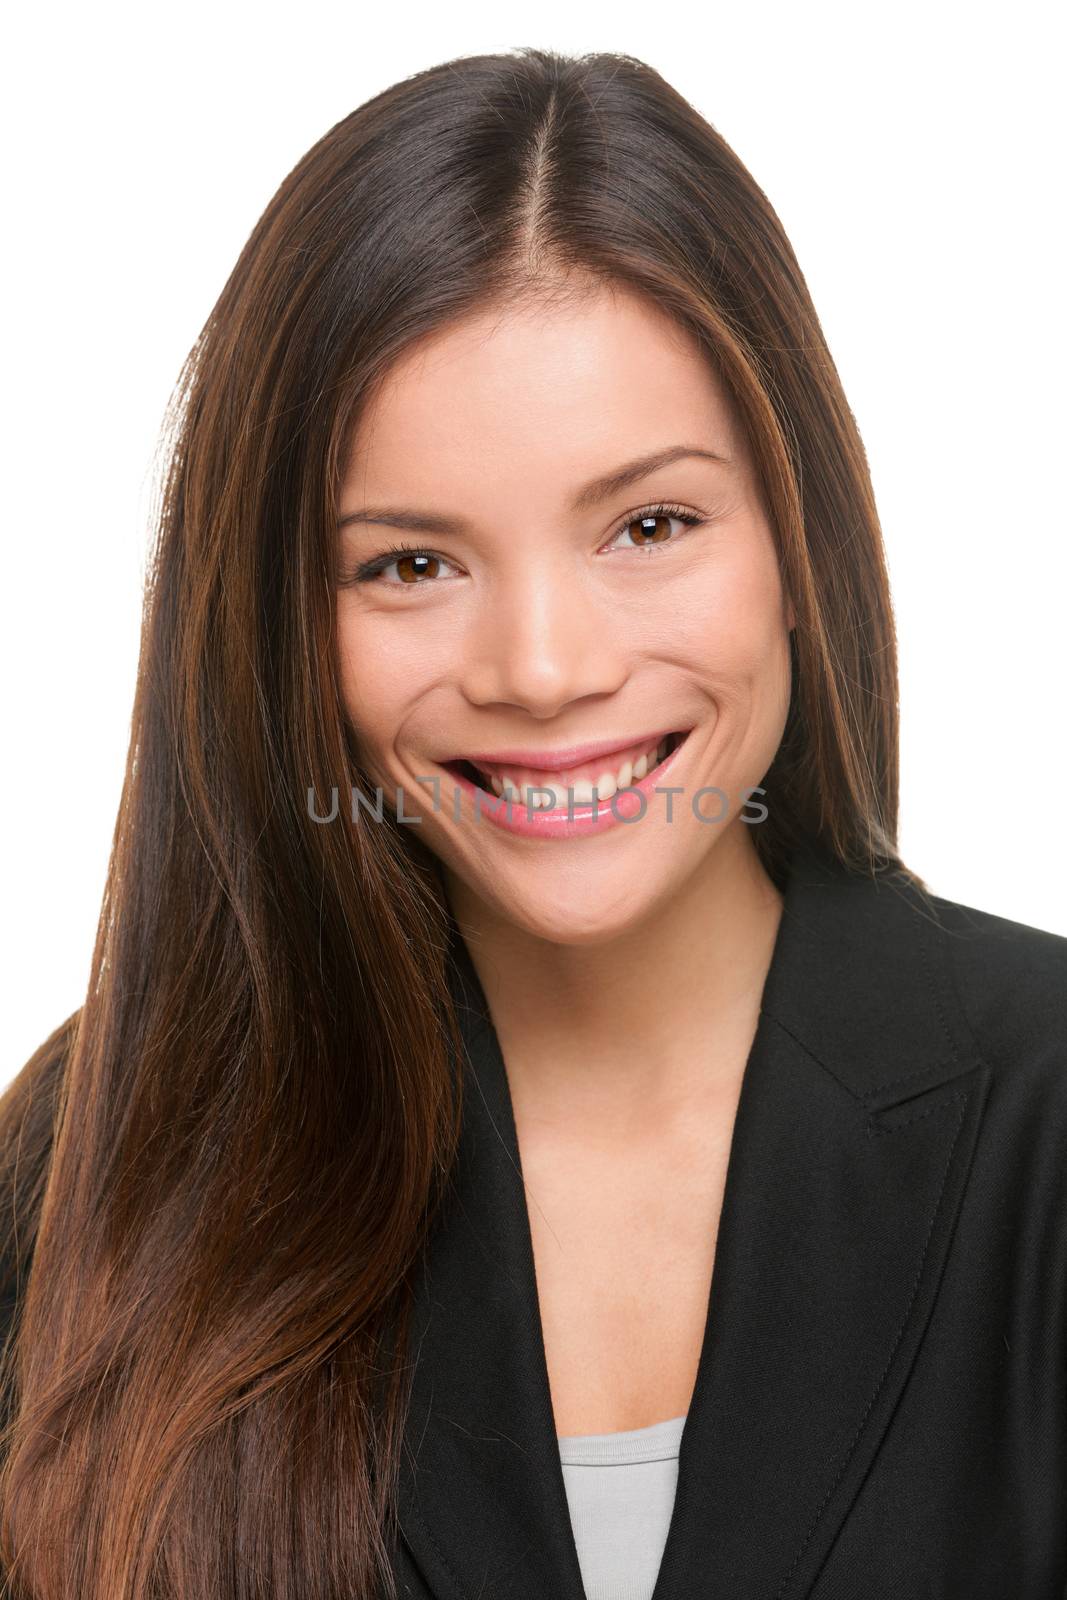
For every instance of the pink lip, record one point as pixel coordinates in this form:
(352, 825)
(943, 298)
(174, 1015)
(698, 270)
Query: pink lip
(574, 755)
(566, 822)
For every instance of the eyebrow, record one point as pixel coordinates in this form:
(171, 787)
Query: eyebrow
(610, 483)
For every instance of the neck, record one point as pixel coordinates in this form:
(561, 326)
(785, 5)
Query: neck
(631, 1033)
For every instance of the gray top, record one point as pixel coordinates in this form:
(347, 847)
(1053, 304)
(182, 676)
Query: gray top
(620, 1489)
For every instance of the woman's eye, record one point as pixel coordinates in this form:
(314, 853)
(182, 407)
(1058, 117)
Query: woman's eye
(413, 566)
(653, 527)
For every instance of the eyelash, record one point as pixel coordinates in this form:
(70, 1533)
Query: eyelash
(369, 570)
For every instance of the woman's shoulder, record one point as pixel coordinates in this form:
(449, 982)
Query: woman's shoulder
(1010, 979)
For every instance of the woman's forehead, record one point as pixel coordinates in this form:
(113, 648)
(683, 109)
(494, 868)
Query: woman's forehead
(561, 389)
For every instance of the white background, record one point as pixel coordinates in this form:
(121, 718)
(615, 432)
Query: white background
(915, 158)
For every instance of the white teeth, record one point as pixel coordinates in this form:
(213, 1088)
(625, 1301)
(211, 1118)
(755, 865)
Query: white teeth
(548, 795)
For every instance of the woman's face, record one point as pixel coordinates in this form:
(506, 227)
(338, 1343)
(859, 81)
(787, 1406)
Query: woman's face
(556, 605)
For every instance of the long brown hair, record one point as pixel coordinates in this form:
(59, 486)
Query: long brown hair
(223, 1166)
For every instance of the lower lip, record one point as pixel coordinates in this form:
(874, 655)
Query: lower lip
(564, 823)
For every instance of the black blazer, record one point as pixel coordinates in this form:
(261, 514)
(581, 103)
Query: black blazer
(880, 1408)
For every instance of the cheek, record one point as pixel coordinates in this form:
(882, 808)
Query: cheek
(394, 671)
(371, 682)
(730, 621)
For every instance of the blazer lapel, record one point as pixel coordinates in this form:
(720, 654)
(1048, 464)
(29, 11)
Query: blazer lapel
(857, 1118)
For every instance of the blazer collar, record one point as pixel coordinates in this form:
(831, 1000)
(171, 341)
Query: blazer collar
(855, 1126)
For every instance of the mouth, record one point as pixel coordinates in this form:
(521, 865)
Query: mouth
(544, 790)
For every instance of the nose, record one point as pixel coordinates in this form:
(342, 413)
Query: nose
(543, 639)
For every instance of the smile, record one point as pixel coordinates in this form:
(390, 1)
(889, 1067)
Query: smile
(538, 802)
(541, 789)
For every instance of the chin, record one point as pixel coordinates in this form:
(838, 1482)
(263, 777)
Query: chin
(588, 915)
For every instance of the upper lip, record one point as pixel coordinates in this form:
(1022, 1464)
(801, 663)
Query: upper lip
(558, 760)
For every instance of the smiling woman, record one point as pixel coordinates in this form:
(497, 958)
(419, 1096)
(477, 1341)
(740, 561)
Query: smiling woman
(601, 1169)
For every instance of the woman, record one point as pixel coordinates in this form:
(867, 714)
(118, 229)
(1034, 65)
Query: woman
(514, 1042)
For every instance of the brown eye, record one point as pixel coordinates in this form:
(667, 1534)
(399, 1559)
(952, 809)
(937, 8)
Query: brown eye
(412, 568)
(651, 529)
